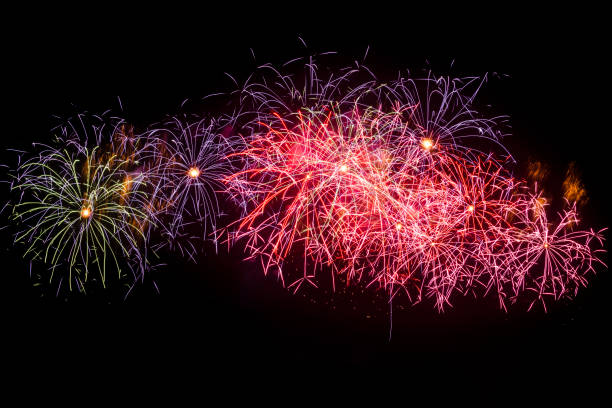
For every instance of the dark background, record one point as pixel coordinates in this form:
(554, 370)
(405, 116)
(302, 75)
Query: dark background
(221, 316)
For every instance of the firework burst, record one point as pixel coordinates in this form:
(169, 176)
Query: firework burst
(549, 259)
(403, 186)
(188, 163)
(394, 185)
(79, 209)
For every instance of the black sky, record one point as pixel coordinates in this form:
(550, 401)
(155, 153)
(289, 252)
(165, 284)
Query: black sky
(222, 315)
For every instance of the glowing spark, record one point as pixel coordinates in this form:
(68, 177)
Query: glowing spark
(85, 212)
(427, 144)
(194, 172)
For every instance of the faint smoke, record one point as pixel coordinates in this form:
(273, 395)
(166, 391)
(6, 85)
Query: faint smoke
(537, 171)
(573, 189)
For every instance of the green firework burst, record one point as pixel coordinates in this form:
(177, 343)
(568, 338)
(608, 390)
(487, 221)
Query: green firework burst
(79, 212)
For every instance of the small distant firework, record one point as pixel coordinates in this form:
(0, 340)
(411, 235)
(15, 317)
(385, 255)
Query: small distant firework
(188, 163)
(79, 211)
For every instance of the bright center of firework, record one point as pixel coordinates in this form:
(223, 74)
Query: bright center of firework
(470, 208)
(546, 245)
(85, 212)
(427, 143)
(398, 226)
(343, 168)
(193, 172)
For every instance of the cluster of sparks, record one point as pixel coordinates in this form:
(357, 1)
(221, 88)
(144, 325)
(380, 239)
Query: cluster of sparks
(80, 210)
(188, 161)
(116, 205)
(366, 197)
(390, 186)
(383, 184)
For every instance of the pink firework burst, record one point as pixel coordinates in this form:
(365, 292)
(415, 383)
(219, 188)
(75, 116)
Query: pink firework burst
(388, 188)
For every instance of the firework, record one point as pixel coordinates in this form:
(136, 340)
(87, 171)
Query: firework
(187, 165)
(393, 185)
(402, 186)
(79, 208)
(550, 259)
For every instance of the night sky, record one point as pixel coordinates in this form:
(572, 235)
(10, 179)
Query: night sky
(222, 315)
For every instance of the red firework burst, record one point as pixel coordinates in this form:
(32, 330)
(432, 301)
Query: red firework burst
(372, 198)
